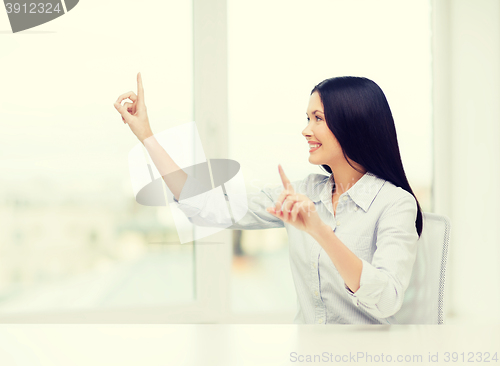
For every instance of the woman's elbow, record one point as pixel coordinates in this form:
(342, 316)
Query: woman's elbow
(388, 304)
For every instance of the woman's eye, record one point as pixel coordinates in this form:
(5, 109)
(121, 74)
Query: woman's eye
(317, 119)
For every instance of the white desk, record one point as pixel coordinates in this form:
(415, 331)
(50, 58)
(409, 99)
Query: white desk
(235, 345)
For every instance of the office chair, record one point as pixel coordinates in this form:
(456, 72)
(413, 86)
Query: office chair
(423, 300)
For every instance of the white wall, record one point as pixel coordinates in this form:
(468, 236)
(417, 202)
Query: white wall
(466, 60)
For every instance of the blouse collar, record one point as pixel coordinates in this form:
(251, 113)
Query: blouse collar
(363, 192)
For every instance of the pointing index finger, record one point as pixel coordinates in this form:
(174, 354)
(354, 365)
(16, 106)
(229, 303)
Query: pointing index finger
(284, 179)
(140, 89)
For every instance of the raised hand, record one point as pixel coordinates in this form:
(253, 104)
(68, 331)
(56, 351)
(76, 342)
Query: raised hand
(135, 114)
(295, 208)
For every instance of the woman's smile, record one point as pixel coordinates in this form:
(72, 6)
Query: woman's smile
(314, 147)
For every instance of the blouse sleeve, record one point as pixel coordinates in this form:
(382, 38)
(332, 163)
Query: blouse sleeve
(208, 209)
(384, 281)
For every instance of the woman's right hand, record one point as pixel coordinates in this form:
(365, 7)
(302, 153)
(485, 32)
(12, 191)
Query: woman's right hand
(135, 114)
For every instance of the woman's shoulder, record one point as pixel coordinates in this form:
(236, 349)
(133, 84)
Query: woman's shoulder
(396, 191)
(392, 195)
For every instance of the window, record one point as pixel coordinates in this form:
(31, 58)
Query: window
(73, 236)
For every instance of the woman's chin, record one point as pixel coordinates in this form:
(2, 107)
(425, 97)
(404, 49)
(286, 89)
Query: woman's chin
(314, 161)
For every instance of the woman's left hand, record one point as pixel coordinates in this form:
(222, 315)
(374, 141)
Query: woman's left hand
(295, 208)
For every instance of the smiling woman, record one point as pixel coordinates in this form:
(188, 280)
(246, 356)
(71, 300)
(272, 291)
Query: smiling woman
(351, 262)
(329, 151)
(354, 123)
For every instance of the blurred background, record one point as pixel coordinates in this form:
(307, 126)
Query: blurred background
(76, 246)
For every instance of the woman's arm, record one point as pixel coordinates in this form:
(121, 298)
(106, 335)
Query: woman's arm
(379, 286)
(171, 173)
(205, 209)
(211, 208)
(347, 263)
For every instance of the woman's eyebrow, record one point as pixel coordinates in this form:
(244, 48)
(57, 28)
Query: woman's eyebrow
(317, 110)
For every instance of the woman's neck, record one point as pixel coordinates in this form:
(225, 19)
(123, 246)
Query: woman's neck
(344, 179)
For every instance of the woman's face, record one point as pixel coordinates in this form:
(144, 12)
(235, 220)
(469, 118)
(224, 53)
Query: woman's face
(317, 131)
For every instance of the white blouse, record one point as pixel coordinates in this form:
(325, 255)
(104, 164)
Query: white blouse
(374, 219)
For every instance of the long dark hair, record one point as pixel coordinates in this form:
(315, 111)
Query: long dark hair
(358, 114)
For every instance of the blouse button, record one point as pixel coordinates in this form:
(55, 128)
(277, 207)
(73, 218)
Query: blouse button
(356, 208)
(338, 223)
(345, 198)
(320, 321)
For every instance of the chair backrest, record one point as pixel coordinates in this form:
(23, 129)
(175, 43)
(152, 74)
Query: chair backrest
(423, 301)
